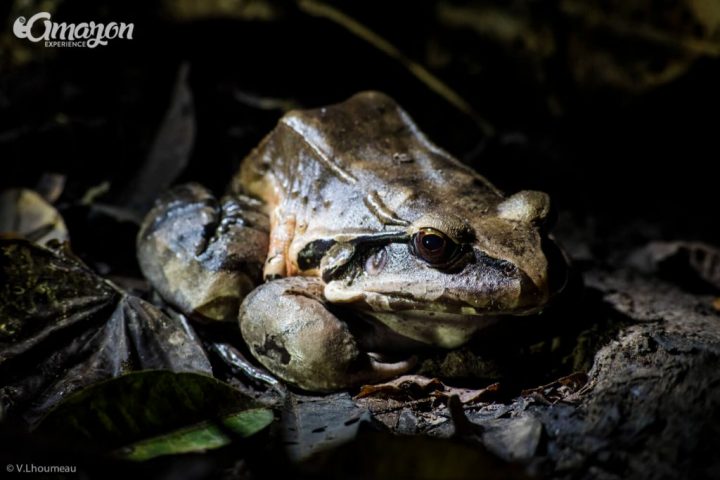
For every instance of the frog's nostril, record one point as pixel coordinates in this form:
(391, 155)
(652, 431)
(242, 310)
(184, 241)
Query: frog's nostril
(508, 269)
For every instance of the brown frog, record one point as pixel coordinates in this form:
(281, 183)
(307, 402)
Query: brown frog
(372, 243)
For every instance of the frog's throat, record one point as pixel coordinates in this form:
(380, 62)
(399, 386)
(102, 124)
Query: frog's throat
(447, 330)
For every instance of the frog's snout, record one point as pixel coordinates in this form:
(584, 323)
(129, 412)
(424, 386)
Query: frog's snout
(536, 292)
(506, 286)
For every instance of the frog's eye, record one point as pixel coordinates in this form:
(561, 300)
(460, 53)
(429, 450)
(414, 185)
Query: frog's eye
(433, 246)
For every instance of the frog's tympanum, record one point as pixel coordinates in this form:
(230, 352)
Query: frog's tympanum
(346, 242)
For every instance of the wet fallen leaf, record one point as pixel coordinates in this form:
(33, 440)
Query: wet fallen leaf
(43, 291)
(63, 328)
(313, 424)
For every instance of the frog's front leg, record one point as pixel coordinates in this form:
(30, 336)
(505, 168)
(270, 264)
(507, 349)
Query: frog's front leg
(288, 327)
(203, 255)
(282, 228)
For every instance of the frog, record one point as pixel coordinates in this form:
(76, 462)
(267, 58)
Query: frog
(346, 243)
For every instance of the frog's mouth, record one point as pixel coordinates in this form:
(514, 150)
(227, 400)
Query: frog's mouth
(442, 323)
(407, 305)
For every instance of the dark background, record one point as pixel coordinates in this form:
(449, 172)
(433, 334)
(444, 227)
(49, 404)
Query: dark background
(617, 124)
(610, 106)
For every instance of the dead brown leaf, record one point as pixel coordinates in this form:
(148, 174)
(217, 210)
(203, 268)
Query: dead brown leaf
(414, 387)
(561, 389)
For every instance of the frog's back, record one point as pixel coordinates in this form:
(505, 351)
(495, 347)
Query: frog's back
(361, 165)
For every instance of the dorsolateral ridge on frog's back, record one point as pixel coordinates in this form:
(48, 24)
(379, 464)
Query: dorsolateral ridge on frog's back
(362, 212)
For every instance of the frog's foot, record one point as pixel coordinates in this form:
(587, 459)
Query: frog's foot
(289, 329)
(203, 255)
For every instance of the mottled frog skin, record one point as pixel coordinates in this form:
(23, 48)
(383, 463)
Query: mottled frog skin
(346, 242)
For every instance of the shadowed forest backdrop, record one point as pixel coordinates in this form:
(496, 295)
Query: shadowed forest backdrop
(610, 106)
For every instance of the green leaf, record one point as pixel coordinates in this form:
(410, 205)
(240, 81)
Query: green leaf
(202, 437)
(141, 405)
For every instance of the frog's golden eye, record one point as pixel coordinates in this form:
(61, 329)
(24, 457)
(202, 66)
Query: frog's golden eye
(433, 246)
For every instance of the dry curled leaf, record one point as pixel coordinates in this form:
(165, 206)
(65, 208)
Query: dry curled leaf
(24, 213)
(561, 389)
(418, 387)
(470, 395)
(407, 386)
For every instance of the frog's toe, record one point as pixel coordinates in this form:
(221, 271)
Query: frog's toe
(375, 370)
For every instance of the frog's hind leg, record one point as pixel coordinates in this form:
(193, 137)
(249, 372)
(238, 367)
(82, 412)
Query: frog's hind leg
(201, 254)
(289, 329)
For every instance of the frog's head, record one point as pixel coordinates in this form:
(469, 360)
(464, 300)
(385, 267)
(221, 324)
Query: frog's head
(444, 269)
